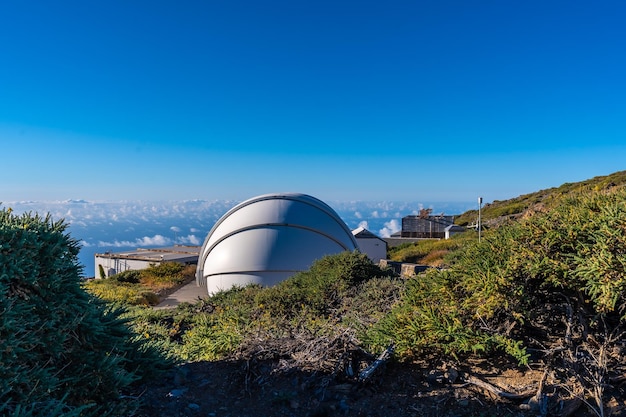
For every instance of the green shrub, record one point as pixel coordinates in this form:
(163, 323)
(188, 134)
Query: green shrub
(130, 276)
(321, 288)
(427, 319)
(166, 273)
(62, 352)
(581, 245)
(213, 336)
(370, 301)
(567, 265)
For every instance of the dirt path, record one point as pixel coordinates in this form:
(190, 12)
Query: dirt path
(189, 293)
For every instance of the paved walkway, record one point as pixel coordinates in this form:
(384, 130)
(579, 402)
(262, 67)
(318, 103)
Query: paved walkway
(186, 294)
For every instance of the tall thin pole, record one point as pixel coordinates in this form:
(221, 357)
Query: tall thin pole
(480, 203)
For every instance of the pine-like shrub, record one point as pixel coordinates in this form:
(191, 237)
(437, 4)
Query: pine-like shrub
(62, 351)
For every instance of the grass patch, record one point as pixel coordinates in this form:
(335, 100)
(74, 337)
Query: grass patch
(429, 252)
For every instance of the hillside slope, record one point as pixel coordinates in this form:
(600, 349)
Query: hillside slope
(497, 212)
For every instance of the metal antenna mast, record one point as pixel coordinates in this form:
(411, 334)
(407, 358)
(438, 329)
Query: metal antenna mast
(480, 203)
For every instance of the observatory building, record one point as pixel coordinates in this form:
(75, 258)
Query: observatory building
(267, 239)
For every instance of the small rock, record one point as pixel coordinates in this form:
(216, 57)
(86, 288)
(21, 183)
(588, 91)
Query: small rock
(193, 406)
(342, 388)
(175, 393)
(343, 406)
(204, 382)
(435, 376)
(181, 376)
(452, 375)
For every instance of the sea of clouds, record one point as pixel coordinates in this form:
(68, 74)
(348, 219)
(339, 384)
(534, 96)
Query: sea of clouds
(126, 225)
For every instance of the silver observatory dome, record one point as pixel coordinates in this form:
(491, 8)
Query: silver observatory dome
(267, 239)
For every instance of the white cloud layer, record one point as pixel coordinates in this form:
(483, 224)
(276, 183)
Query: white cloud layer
(148, 241)
(125, 225)
(391, 227)
(156, 240)
(192, 240)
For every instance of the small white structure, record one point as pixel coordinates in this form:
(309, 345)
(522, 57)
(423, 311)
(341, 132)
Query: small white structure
(114, 263)
(267, 239)
(370, 244)
(453, 229)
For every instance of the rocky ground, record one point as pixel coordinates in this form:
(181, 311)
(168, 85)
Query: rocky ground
(254, 388)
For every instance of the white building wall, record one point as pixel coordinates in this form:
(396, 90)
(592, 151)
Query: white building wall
(114, 266)
(375, 249)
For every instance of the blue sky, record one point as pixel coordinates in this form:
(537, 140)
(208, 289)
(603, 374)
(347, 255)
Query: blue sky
(344, 100)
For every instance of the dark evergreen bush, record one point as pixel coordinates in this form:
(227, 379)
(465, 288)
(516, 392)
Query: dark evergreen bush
(131, 276)
(62, 351)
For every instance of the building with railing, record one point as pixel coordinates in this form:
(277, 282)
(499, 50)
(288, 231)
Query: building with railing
(425, 226)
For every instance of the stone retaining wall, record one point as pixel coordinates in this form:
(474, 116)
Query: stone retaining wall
(403, 269)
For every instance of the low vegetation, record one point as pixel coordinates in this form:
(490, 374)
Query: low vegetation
(431, 252)
(546, 289)
(341, 295)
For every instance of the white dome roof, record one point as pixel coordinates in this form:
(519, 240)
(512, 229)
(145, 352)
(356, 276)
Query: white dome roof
(268, 238)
